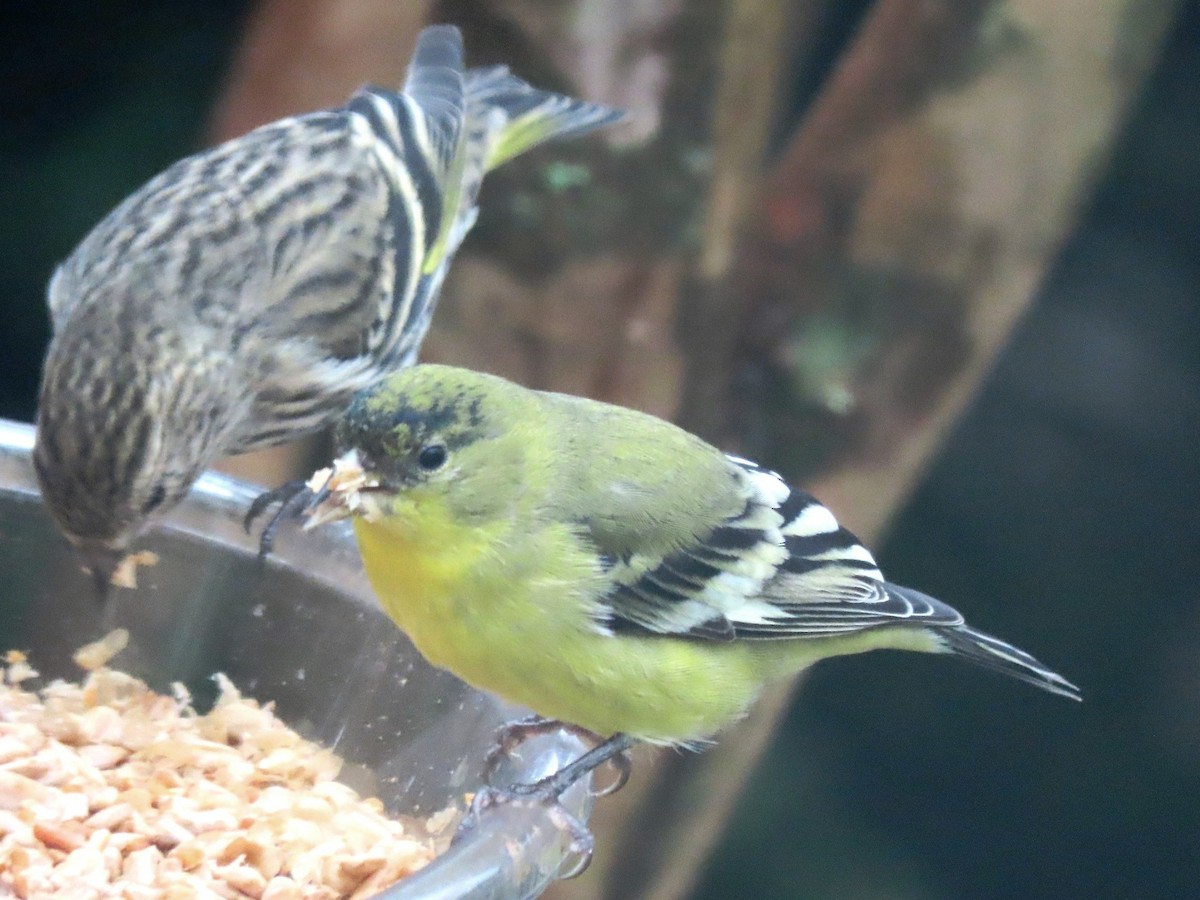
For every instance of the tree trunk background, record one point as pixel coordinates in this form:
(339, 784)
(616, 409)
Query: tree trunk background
(822, 288)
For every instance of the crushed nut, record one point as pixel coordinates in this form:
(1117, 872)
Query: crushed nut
(125, 574)
(342, 487)
(97, 654)
(109, 789)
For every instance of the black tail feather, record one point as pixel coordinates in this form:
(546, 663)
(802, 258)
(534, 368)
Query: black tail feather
(993, 653)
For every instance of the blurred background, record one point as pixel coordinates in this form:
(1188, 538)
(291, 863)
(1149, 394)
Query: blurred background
(939, 261)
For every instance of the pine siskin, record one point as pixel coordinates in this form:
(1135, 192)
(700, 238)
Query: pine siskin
(240, 298)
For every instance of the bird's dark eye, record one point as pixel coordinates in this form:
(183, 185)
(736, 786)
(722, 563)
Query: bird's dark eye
(432, 457)
(157, 496)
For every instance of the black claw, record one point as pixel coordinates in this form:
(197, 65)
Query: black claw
(292, 497)
(554, 785)
(582, 844)
(622, 763)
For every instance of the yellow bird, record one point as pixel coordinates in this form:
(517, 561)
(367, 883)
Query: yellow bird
(606, 568)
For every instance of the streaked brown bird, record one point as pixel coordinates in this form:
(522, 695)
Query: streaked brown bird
(241, 298)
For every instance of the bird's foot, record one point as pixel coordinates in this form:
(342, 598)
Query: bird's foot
(548, 790)
(580, 843)
(513, 734)
(293, 497)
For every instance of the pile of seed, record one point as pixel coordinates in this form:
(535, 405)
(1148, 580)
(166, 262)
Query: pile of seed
(110, 789)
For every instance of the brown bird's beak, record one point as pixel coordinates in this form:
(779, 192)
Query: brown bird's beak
(101, 560)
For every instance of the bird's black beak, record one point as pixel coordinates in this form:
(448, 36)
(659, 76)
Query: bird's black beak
(101, 561)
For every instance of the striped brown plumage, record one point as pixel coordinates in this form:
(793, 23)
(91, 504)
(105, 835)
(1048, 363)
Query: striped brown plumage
(241, 297)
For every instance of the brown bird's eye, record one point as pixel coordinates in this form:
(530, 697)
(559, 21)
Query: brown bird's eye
(432, 457)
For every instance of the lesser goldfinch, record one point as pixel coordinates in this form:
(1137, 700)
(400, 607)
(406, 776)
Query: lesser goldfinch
(240, 298)
(606, 568)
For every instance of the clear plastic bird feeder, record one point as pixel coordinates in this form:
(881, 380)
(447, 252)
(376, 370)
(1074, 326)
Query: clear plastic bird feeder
(302, 630)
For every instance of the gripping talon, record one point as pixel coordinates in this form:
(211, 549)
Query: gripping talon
(292, 497)
(582, 844)
(548, 790)
(580, 840)
(622, 764)
(510, 736)
(554, 785)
